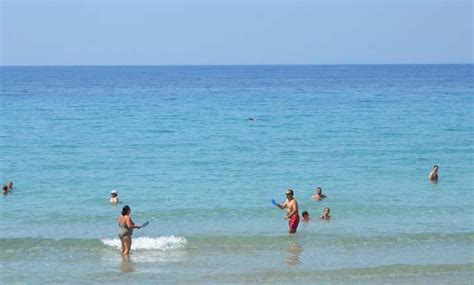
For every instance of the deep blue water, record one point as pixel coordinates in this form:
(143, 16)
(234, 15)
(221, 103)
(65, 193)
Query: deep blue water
(177, 144)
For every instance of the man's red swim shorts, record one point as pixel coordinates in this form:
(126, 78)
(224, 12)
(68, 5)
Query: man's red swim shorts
(293, 222)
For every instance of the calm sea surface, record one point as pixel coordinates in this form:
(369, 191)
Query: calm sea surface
(178, 146)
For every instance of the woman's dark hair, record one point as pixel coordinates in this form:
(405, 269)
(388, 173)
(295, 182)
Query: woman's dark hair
(305, 213)
(125, 210)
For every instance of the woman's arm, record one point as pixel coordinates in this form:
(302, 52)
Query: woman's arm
(131, 224)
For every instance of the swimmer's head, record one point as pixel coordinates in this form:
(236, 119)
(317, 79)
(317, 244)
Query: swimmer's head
(319, 190)
(326, 211)
(125, 210)
(305, 214)
(435, 167)
(5, 188)
(114, 193)
(289, 193)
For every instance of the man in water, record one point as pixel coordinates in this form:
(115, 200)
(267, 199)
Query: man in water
(292, 214)
(434, 174)
(319, 194)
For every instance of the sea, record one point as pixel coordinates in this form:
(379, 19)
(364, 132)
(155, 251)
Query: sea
(200, 152)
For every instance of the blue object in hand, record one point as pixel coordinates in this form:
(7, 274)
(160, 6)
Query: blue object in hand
(145, 224)
(274, 202)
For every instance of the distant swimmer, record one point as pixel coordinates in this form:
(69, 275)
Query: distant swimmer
(113, 197)
(9, 185)
(319, 194)
(325, 215)
(434, 174)
(306, 217)
(126, 229)
(5, 189)
(291, 206)
(252, 118)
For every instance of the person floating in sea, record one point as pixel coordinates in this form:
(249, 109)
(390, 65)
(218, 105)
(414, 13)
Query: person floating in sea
(292, 215)
(9, 185)
(126, 225)
(5, 189)
(306, 217)
(325, 215)
(113, 197)
(319, 194)
(434, 174)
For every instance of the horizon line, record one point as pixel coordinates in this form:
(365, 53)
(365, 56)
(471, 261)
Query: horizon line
(218, 65)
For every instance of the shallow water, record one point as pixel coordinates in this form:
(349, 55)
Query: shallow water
(177, 144)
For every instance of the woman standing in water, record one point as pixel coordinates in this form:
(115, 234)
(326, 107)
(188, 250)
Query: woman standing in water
(126, 229)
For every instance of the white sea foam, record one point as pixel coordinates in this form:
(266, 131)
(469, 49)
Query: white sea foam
(160, 243)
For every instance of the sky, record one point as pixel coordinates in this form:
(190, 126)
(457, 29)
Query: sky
(213, 32)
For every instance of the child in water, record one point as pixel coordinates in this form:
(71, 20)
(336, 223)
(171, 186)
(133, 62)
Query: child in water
(325, 215)
(305, 216)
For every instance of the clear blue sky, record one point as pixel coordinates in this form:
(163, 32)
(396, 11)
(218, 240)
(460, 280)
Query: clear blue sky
(106, 32)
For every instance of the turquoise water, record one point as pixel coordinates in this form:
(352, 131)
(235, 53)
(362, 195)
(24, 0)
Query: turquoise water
(177, 144)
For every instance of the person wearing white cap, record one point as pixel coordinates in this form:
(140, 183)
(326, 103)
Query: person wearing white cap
(113, 197)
